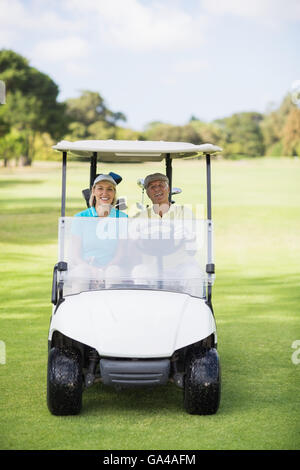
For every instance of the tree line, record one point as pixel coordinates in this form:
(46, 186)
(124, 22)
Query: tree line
(32, 120)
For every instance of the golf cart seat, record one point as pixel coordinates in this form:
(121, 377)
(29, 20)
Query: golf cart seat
(86, 195)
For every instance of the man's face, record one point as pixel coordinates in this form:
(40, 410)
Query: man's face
(158, 192)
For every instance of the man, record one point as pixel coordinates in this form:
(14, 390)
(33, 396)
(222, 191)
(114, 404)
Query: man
(158, 190)
(180, 272)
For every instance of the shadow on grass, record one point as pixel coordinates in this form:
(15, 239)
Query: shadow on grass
(99, 398)
(40, 203)
(29, 206)
(32, 222)
(243, 289)
(19, 182)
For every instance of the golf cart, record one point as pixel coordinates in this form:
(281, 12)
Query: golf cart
(145, 316)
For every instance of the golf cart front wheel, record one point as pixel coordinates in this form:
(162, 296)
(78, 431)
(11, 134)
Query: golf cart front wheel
(202, 388)
(64, 382)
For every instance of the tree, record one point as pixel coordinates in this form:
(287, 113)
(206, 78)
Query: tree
(43, 143)
(123, 133)
(31, 101)
(281, 131)
(241, 134)
(171, 133)
(91, 114)
(101, 130)
(272, 127)
(207, 132)
(11, 144)
(291, 133)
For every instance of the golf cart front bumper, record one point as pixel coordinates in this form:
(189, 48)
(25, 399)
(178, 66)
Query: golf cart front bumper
(132, 373)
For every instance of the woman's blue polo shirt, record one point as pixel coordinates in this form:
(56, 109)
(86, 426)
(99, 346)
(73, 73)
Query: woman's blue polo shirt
(96, 251)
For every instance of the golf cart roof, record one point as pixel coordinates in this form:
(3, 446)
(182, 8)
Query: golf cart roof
(135, 150)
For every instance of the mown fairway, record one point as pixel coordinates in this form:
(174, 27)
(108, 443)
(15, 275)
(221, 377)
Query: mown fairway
(256, 299)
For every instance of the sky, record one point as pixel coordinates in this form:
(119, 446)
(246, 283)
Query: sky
(161, 60)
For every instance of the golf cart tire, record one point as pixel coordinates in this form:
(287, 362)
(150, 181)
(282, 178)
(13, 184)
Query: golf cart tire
(64, 382)
(202, 388)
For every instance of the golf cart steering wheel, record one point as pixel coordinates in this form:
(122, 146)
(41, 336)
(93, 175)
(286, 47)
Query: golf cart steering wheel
(160, 241)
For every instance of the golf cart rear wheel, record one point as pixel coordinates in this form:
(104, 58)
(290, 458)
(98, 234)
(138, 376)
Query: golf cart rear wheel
(202, 388)
(64, 385)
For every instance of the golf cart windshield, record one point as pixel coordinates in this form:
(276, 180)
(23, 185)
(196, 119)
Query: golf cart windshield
(138, 253)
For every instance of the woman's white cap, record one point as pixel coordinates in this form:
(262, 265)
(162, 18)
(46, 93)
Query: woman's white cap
(105, 178)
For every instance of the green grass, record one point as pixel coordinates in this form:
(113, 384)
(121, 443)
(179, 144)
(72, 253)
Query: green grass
(256, 212)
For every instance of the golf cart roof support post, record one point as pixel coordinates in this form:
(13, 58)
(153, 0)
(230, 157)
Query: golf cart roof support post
(169, 173)
(63, 185)
(208, 185)
(93, 168)
(210, 266)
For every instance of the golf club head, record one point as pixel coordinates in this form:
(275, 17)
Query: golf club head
(176, 191)
(121, 203)
(140, 206)
(140, 183)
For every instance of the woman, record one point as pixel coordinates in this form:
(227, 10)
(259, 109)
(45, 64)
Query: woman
(95, 253)
(103, 199)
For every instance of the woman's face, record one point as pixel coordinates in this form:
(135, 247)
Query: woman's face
(104, 193)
